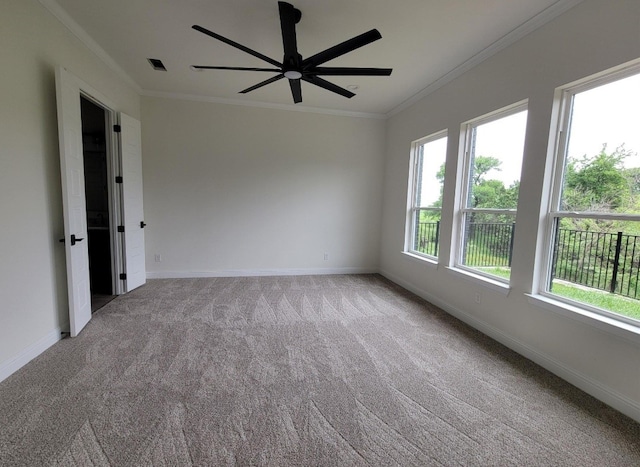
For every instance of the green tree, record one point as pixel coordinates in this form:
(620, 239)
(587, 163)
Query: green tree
(597, 183)
(601, 183)
(482, 165)
(485, 193)
(490, 193)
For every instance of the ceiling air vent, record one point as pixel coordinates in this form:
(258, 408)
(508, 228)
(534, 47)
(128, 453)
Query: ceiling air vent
(157, 64)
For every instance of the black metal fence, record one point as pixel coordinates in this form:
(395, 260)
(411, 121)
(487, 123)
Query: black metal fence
(605, 261)
(427, 235)
(488, 244)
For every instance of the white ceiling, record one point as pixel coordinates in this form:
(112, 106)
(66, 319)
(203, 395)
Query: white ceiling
(424, 41)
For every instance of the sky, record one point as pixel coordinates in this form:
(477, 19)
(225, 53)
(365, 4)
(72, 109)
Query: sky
(504, 140)
(435, 153)
(608, 114)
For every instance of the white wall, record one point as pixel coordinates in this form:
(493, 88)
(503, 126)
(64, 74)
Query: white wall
(33, 303)
(239, 190)
(593, 36)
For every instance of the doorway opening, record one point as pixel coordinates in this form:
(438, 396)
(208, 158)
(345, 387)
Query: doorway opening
(98, 201)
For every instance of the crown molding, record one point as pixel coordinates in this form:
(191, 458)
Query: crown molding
(58, 12)
(518, 33)
(505, 41)
(263, 105)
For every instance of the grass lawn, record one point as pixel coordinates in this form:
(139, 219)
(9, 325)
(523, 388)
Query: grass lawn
(605, 300)
(497, 271)
(608, 301)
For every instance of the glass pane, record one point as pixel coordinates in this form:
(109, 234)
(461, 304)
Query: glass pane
(426, 231)
(599, 267)
(602, 172)
(496, 162)
(429, 182)
(488, 243)
(431, 173)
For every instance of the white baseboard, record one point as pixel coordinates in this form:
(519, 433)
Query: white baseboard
(14, 364)
(595, 388)
(257, 272)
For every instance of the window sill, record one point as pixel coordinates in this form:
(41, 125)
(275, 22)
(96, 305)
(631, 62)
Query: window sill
(621, 329)
(429, 260)
(494, 285)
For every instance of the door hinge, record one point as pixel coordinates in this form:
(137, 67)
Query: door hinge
(123, 277)
(117, 128)
(119, 179)
(121, 228)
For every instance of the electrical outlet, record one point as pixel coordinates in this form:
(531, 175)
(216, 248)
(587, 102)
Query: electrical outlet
(477, 298)
(326, 256)
(158, 258)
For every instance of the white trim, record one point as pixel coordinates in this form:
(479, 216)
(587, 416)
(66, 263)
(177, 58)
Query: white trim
(466, 153)
(480, 279)
(417, 162)
(613, 216)
(610, 75)
(505, 41)
(89, 92)
(560, 132)
(491, 211)
(58, 12)
(263, 105)
(12, 365)
(257, 272)
(611, 325)
(589, 385)
(431, 261)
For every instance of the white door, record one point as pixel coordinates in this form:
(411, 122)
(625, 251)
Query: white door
(73, 200)
(131, 154)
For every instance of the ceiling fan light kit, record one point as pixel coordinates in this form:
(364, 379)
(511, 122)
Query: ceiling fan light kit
(293, 66)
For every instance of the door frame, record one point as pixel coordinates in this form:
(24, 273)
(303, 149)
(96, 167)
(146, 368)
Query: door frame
(113, 167)
(114, 194)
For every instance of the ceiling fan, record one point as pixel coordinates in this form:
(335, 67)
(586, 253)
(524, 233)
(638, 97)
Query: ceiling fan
(293, 66)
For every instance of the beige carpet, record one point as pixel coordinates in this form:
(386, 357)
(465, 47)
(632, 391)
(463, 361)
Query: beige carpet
(317, 370)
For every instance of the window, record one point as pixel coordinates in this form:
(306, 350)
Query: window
(493, 150)
(594, 216)
(425, 204)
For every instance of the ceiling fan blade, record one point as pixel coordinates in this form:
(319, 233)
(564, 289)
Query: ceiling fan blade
(342, 48)
(328, 86)
(236, 45)
(264, 83)
(238, 68)
(296, 90)
(326, 71)
(289, 16)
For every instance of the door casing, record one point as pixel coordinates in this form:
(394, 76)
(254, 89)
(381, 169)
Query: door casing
(77, 87)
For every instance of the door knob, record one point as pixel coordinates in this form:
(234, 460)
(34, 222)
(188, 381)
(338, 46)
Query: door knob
(75, 239)
(142, 225)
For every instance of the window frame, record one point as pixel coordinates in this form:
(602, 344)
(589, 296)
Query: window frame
(415, 166)
(561, 133)
(467, 131)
